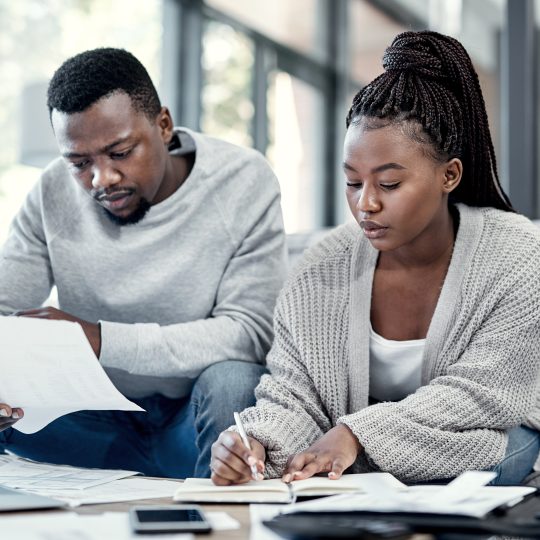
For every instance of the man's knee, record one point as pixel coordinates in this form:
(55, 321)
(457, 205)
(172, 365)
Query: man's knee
(521, 454)
(231, 383)
(229, 375)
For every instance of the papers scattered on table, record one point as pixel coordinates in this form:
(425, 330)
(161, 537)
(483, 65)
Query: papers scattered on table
(129, 489)
(467, 495)
(77, 485)
(70, 526)
(19, 473)
(51, 370)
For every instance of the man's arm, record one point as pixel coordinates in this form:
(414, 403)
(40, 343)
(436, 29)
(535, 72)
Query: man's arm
(240, 325)
(25, 269)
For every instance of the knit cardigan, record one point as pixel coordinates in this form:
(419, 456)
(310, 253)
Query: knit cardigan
(480, 373)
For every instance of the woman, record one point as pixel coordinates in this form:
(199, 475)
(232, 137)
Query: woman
(407, 342)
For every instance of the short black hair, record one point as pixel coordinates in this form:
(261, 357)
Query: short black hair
(429, 79)
(91, 75)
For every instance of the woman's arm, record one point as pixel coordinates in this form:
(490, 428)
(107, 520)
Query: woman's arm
(289, 415)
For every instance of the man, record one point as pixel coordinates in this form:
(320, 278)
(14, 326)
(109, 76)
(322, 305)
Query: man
(167, 247)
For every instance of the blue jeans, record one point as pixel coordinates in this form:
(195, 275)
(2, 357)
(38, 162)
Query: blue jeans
(521, 453)
(173, 438)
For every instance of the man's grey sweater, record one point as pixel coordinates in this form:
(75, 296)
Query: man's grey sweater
(193, 283)
(481, 361)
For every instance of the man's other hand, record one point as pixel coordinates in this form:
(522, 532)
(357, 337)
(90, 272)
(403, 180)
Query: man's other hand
(92, 330)
(9, 416)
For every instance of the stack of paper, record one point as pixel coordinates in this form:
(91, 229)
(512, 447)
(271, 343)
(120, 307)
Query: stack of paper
(19, 473)
(77, 485)
(128, 489)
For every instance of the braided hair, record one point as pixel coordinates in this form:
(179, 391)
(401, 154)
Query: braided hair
(429, 81)
(91, 75)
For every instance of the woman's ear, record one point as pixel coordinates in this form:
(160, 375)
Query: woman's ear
(452, 174)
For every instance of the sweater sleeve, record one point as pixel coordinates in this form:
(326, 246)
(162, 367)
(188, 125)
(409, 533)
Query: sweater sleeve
(25, 269)
(289, 415)
(458, 421)
(240, 324)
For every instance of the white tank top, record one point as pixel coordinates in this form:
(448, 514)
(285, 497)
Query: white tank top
(395, 367)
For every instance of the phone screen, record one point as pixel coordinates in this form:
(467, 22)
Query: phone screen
(168, 516)
(172, 518)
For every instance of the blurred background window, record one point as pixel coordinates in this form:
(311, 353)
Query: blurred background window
(297, 24)
(227, 63)
(277, 76)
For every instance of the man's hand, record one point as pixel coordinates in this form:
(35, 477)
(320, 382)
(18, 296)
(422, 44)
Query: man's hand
(231, 460)
(92, 331)
(334, 452)
(9, 416)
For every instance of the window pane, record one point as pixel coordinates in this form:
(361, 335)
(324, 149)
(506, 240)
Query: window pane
(227, 109)
(298, 24)
(475, 23)
(295, 112)
(370, 31)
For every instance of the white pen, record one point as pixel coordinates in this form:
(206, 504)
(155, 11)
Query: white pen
(245, 440)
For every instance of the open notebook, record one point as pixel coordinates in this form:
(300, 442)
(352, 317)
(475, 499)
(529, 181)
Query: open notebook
(275, 491)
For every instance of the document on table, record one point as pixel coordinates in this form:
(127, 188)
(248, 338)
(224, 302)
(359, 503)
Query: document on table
(127, 489)
(467, 495)
(19, 473)
(49, 369)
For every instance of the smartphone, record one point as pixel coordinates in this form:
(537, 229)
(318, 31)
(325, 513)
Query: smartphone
(167, 519)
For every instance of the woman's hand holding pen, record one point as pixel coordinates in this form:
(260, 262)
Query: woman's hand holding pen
(232, 461)
(334, 452)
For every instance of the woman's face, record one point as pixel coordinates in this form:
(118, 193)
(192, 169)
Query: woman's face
(397, 193)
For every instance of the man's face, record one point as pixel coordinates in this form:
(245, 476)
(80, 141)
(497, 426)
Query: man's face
(118, 155)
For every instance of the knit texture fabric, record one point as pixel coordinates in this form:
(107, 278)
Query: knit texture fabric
(480, 367)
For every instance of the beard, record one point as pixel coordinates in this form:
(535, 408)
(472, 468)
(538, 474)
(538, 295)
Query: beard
(132, 218)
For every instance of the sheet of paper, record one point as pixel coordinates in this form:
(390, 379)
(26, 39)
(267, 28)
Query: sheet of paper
(19, 473)
(221, 521)
(128, 489)
(70, 526)
(465, 485)
(260, 512)
(425, 499)
(49, 369)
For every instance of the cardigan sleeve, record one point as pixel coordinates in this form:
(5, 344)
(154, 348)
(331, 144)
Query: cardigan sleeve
(458, 421)
(289, 415)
